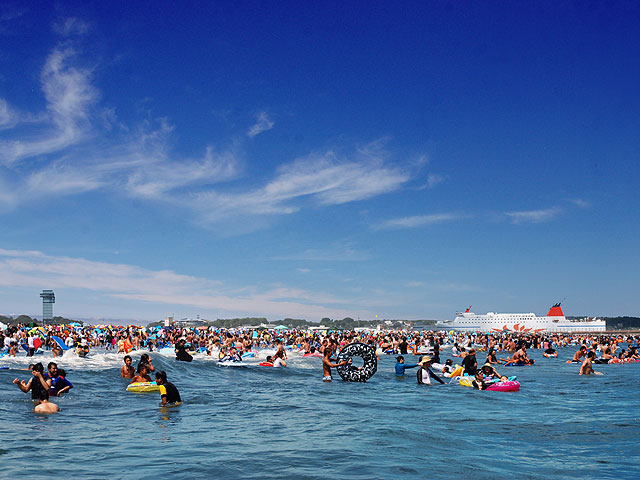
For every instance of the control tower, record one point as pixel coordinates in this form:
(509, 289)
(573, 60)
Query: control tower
(48, 299)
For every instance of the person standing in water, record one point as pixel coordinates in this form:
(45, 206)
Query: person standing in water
(587, 367)
(401, 366)
(45, 406)
(425, 374)
(36, 384)
(168, 391)
(327, 365)
(127, 371)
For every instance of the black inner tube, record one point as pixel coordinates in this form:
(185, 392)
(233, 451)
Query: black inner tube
(350, 373)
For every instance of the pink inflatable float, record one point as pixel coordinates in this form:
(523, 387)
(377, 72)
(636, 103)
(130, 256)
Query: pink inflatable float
(512, 386)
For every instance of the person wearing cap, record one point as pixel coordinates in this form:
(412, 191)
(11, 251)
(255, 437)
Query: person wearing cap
(489, 370)
(401, 366)
(425, 374)
(487, 375)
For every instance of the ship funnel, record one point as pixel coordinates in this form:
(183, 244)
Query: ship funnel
(555, 311)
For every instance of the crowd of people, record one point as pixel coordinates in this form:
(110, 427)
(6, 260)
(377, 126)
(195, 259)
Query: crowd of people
(231, 345)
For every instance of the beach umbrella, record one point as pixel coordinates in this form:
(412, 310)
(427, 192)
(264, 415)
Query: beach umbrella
(280, 327)
(3, 326)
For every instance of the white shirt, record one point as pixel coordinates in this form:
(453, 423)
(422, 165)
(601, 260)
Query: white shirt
(426, 378)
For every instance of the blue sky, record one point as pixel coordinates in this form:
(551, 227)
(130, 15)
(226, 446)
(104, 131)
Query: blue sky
(281, 159)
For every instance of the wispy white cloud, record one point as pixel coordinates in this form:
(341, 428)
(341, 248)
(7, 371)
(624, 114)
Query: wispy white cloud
(534, 216)
(263, 123)
(33, 269)
(71, 26)
(323, 179)
(414, 284)
(69, 95)
(61, 179)
(434, 179)
(578, 202)
(10, 117)
(417, 221)
(337, 252)
(74, 156)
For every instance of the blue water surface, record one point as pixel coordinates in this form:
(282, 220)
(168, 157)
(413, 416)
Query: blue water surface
(266, 423)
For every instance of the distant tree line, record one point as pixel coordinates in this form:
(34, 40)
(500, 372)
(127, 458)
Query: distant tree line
(622, 323)
(27, 320)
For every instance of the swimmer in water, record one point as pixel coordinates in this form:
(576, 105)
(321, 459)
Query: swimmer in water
(168, 391)
(60, 385)
(577, 357)
(587, 367)
(486, 376)
(278, 359)
(146, 359)
(45, 406)
(127, 371)
(142, 376)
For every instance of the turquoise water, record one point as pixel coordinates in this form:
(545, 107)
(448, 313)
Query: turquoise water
(274, 423)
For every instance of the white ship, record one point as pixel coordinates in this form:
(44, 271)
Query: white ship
(554, 321)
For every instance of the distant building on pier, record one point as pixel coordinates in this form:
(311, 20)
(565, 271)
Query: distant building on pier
(48, 299)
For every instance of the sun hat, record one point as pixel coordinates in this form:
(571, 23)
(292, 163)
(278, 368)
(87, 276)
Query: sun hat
(424, 359)
(486, 365)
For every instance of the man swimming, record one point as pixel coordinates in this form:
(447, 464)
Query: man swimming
(168, 391)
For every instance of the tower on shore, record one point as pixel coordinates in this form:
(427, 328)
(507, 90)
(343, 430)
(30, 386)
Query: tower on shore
(48, 299)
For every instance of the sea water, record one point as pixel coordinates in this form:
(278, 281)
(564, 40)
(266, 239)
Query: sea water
(260, 422)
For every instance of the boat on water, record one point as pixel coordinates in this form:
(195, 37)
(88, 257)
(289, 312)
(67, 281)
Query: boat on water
(554, 321)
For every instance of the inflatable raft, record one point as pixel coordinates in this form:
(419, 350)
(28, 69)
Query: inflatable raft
(143, 387)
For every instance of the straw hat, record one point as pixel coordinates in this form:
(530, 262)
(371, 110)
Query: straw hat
(424, 359)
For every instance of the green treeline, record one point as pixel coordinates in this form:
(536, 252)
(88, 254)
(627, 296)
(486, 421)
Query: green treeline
(27, 320)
